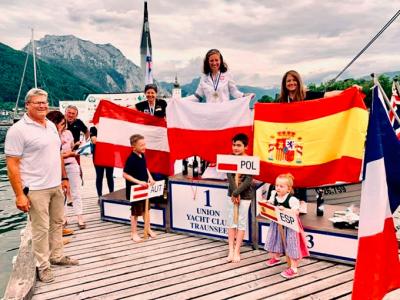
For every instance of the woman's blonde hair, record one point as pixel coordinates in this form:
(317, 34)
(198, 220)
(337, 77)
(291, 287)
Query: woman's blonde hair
(290, 180)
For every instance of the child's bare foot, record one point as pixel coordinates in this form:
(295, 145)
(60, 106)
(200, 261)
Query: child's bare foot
(152, 234)
(230, 256)
(236, 258)
(136, 238)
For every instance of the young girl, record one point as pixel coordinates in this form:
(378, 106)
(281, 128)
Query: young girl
(136, 172)
(295, 243)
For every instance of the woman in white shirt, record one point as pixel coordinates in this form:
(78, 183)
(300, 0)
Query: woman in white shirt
(216, 84)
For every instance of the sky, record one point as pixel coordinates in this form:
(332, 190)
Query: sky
(259, 39)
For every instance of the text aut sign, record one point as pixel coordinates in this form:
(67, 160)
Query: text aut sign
(139, 192)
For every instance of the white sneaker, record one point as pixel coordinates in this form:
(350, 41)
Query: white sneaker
(303, 207)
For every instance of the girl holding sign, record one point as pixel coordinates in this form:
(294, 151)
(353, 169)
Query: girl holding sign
(136, 172)
(285, 239)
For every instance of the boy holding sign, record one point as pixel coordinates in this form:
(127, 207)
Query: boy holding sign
(240, 190)
(281, 240)
(136, 172)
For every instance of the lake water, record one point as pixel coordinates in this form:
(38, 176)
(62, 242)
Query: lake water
(12, 220)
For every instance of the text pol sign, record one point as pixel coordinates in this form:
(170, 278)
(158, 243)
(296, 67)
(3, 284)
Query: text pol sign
(139, 192)
(242, 164)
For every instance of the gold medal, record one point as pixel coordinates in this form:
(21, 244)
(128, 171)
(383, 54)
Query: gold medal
(215, 94)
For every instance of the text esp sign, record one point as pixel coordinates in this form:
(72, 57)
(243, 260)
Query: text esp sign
(242, 164)
(139, 192)
(285, 217)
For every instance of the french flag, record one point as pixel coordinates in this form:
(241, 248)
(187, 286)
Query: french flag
(116, 124)
(378, 267)
(207, 129)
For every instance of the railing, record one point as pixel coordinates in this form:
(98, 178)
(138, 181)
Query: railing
(23, 276)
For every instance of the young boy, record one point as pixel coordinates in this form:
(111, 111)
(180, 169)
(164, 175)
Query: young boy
(240, 194)
(136, 172)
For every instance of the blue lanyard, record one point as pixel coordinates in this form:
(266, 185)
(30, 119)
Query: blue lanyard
(216, 82)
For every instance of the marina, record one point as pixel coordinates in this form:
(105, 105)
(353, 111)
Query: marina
(207, 241)
(177, 266)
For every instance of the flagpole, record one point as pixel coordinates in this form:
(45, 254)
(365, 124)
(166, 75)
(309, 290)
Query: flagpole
(376, 82)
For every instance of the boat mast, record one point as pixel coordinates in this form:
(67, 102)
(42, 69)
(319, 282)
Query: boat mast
(34, 58)
(23, 75)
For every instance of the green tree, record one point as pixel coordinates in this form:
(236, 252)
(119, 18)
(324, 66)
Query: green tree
(266, 99)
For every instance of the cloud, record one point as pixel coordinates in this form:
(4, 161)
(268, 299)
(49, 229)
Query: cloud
(259, 39)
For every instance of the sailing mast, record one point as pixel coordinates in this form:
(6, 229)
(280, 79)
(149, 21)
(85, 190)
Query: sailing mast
(34, 58)
(23, 75)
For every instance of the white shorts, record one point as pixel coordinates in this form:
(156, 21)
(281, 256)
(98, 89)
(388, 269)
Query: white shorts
(243, 218)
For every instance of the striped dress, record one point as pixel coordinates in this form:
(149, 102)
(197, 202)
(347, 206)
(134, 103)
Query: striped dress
(295, 241)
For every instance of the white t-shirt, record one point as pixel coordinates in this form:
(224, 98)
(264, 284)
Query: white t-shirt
(39, 149)
(218, 90)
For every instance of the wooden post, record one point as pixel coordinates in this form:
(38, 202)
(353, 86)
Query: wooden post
(282, 234)
(236, 207)
(146, 220)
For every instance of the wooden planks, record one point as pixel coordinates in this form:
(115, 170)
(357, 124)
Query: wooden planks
(175, 266)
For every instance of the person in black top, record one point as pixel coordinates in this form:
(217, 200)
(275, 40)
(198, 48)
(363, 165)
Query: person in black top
(136, 173)
(75, 125)
(100, 169)
(153, 106)
(292, 90)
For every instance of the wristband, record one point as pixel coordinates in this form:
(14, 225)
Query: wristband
(64, 178)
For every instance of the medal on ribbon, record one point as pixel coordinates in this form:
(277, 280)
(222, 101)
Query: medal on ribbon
(215, 84)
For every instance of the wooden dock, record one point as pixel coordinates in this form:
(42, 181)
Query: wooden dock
(176, 266)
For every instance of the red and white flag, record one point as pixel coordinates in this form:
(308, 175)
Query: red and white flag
(116, 124)
(207, 129)
(139, 192)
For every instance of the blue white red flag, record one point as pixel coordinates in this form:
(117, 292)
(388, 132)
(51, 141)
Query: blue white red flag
(378, 267)
(149, 67)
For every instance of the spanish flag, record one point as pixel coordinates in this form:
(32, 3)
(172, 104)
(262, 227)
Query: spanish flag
(267, 210)
(320, 142)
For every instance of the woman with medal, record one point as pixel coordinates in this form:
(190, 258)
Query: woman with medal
(152, 105)
(216, 84)
(155, 107)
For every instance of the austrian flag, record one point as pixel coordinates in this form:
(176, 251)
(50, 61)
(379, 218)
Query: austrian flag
(115, 126)
(139, 192)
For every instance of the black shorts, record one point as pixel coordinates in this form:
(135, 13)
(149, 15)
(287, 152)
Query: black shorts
(138, 208)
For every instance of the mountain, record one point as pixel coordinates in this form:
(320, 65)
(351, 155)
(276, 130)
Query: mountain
(58, 82)
(101, 66)
(190, 89)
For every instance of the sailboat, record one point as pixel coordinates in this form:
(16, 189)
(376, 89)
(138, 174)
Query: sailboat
(17, 116)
